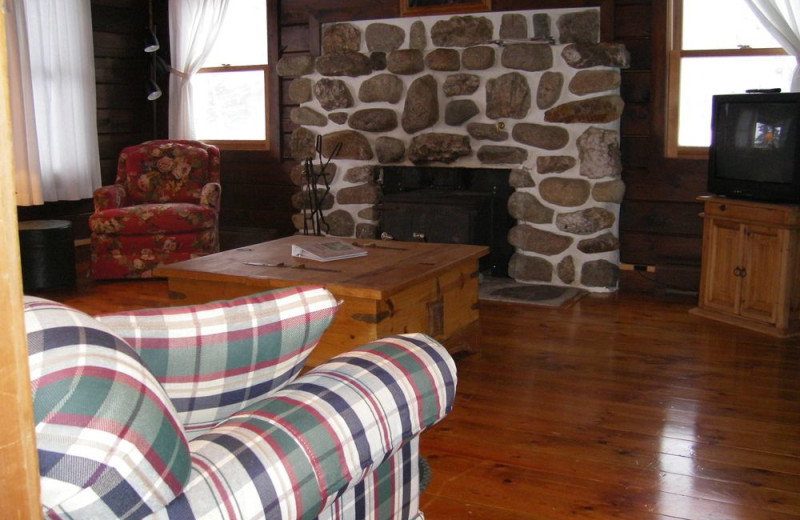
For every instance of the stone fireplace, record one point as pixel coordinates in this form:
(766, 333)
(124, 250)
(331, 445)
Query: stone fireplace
(531, 92)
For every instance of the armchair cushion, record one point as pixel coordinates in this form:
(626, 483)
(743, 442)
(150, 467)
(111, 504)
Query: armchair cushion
(215, 359)
(109, 441)
(167, 171)
(149, 219)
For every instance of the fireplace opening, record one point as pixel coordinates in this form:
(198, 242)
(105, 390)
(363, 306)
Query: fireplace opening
(449, 205)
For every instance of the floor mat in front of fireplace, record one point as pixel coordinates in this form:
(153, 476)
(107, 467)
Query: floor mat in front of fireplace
(511, 291)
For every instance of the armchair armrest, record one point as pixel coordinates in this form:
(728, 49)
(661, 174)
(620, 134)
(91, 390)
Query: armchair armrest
(211, 195)
(110, 197)
(292, 454)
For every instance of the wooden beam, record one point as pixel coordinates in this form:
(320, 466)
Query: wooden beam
(19, 472)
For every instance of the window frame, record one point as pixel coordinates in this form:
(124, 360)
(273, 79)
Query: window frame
(270, 143)
(674, 56)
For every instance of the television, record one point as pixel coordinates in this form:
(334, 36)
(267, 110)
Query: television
(755, 147)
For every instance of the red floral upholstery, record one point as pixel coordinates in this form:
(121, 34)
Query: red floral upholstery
(163, 207)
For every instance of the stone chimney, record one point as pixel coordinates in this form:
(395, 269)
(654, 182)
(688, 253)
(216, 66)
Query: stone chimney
(532, 91)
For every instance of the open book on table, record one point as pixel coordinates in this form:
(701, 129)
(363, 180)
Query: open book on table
(327, 250)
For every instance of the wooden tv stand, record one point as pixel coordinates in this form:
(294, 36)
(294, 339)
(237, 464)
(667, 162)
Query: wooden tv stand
(750, 273)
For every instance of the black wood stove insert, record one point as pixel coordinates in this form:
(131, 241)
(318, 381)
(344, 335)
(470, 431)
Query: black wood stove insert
(449, 205)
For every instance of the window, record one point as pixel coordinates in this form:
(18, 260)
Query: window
(231, 88)
(717, 47)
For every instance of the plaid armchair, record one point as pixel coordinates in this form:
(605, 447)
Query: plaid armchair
(163, 207)
(196, 412)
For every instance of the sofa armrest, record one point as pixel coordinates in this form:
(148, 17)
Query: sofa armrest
(110, 197)
(215, 359)
(211, 195)
(293, 453)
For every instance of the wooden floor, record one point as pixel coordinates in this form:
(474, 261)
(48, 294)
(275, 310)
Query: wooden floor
(620, 406)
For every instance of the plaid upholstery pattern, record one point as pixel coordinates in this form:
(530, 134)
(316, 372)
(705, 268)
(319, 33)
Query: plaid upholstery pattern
(110, 443)
(291, 455)
(339, 443)
(391, 491)
(215, 359)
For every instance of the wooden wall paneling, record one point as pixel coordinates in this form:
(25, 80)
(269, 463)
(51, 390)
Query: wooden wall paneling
(642, 185)
(259, 206)
(635, 120)
(641, 55)
(628, 18)
(117, 121)
(635, 152)
(297, 11)
(124, 115)
(678, 248)
(659, 225)
(659, 217)
(295, 38)
(112, 69)
(636, 86)
(256, 192)
(668, 278)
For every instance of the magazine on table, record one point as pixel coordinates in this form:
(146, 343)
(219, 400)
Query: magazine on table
(327, 251)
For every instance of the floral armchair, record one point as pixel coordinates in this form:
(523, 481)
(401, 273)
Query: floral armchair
(198, 412)
(163, 207)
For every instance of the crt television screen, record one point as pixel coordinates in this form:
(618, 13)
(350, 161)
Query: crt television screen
(756, 140)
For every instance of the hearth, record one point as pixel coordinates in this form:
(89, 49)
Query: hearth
(449, 205)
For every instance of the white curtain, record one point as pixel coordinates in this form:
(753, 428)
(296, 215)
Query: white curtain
(782, 20)
(193, 29)
(52, 89)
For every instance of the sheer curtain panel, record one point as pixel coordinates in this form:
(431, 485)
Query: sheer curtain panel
(193, 28)
(782, 20)
(53, 90)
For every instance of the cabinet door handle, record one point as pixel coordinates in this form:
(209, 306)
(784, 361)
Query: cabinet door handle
(737, 271)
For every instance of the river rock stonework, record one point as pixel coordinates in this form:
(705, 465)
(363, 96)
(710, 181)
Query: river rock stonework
(468, 91)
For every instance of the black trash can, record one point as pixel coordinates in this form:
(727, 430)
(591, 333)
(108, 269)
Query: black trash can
(47, 252)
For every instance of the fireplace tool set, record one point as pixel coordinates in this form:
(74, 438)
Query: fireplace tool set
(313, 219)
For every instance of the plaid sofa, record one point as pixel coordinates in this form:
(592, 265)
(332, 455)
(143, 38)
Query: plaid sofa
(197, 412)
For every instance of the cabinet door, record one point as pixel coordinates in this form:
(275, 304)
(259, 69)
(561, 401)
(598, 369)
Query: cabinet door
(762, 262)
(721, 286)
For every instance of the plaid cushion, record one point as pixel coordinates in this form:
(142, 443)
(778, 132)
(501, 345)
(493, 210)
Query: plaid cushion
(110, 444)
(291, 455)
(215, 359)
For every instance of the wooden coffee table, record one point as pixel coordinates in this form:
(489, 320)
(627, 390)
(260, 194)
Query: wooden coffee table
(397, 287)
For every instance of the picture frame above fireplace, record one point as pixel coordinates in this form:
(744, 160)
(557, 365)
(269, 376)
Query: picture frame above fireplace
(434, 7)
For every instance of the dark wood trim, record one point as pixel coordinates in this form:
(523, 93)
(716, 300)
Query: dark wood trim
(273, 82)
(314, 35)
(606, 20)
(406, 9)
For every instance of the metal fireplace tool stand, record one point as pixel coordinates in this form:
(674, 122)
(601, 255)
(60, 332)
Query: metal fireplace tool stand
(312, 208)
